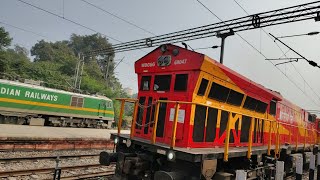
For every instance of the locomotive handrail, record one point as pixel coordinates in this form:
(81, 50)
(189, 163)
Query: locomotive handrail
(132, 100)
(123, 101)
(226, 148)
(263, 117)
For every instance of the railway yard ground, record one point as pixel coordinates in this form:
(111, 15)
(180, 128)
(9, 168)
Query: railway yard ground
(19, 137)
(32, 152)
(44, 132)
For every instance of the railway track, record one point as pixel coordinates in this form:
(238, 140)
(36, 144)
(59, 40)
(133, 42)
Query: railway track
(29, 172)
(88, 176)
(35, 158)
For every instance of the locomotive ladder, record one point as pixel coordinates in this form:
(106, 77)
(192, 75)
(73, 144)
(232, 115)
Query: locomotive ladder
(273, 124)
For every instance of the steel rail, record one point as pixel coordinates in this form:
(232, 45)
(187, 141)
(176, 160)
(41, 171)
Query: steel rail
(26, 172)
(91, 175)
(46, 157)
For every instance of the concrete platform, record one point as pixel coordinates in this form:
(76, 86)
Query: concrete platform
(24, 132)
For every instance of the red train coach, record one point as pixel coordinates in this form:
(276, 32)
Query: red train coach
(195, 118)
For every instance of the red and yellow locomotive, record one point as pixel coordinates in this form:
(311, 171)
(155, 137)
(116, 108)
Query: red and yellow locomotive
(194, 118)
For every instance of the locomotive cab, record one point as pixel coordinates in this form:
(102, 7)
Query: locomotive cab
(165, 75)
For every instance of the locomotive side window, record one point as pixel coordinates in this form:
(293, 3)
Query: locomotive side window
(76, 101)
(162, 83)
(261, 107)
(80, 102)
(218, 92)
(145, 83)
(250, 103)
(203, 87)
(235, 98)
(312, 118)
(273, 108)
(181, 82)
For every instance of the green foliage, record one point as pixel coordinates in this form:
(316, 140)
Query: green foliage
(55, 63)
(57, 52)
(5, 39)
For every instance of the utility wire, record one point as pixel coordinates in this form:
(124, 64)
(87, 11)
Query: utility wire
(66, 19)
(22, 29)
(259, 53)
(118, 17)
(118, 64)
(312, 63)
(284, 53)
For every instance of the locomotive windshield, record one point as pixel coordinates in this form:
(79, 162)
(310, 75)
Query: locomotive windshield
(162, 83)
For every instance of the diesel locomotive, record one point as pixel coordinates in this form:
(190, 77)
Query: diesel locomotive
(195, 118)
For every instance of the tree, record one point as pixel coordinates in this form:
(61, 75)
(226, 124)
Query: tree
(47, 51)
(21, 50)
(82, 44)
(5, 39)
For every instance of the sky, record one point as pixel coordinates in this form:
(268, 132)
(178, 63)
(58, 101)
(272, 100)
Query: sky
(165, 16)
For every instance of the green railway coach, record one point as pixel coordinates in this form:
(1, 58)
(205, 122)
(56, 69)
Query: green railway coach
(22, 103)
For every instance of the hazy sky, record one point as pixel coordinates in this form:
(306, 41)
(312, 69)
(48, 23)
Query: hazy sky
(166, 16)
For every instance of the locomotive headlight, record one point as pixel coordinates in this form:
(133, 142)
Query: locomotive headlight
(128, 142)
(171, 156)
(116, 140)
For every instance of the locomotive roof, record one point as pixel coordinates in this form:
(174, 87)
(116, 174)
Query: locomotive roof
(149, 61)
(4, 81)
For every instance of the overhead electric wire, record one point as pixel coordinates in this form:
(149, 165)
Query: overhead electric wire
(66, 19)
(118, 17)
(291, 14)
(259, 53)
(22, 29)
(284, 54)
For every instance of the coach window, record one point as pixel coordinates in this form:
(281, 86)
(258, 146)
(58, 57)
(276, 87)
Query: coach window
(250, 103)
(203, 87)
(162, 83)
(273, 108)
(218, 92)
(145, 83)
(181, 82)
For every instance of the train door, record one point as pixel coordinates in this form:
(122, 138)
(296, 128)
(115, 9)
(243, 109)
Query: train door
(101, 108)
(145, 117)
(140, 115)
(161, 118)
